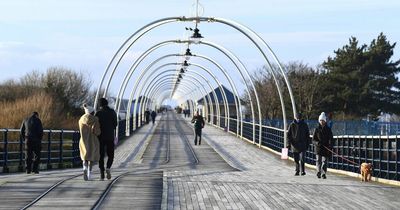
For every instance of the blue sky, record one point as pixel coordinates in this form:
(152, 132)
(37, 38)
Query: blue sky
(84, 35)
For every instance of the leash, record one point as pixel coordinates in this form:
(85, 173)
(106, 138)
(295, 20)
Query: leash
(341, 156)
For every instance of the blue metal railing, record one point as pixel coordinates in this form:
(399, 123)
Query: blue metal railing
(383, 151)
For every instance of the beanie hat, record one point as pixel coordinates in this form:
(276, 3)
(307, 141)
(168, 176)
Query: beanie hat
(322, 116)
(88, 109)
(103, 102)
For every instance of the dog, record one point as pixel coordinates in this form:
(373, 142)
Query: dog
(366, 172)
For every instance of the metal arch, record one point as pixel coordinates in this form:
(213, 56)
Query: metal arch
(138, 61)
(139, 34)
(140, 79)
(205, 91)
(147, 78)
(204, 57)
(175, 19)
(212, 90)
(184, 85)
(190, 80)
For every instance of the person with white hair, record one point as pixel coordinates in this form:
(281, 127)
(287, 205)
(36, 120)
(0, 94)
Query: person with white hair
(322, 139)
(89, 128)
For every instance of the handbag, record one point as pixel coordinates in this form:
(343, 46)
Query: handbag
(284, 154)
(115, 140)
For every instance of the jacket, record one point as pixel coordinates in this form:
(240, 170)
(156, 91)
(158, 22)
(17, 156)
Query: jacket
(198, 122)
(89, 144)
(299, 136)
(108, 123)
(32, 128)
(322, 139)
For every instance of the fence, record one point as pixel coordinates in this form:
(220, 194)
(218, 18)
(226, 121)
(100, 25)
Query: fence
(60, 148)
(349, 127)
(383, 151)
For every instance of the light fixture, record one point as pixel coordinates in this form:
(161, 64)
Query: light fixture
(180, 76)
(188, 54)
(196, 37)
(185, 65)
(182, 71)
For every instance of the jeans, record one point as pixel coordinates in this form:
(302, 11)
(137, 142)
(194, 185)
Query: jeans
(197, 132)
(109, 145)
(322, 164)
(33, 148)
(299, 158)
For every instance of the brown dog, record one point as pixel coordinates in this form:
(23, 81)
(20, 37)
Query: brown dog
(366, 172)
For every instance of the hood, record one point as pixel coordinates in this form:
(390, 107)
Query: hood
(87, 119)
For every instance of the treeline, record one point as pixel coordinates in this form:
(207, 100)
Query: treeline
(359, 80)
(56, 95)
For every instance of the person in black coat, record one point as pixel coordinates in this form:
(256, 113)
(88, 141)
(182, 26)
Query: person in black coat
(322, 140)
(153, 116)
(198, 121)
(299, 140)
(32, 133)
(108, 123)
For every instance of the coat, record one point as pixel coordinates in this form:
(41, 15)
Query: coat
(32, 128)
(299, 136)
(108, 123)
(89, 144)
(322, 139)
(198, 122)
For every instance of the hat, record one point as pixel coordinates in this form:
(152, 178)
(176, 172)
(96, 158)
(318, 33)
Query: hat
(322, 116)
(299, 116)
(103, 102)
(88, 109)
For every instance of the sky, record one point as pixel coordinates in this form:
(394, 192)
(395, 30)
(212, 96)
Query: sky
(84, 35)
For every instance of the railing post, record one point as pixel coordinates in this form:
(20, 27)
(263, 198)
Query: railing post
(75, 149)
(21, 154)
(60, 160)
(5, 159)
(49, 166)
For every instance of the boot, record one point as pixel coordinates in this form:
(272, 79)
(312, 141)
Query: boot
(108, 171)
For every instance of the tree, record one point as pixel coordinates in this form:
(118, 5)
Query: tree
(361, 79)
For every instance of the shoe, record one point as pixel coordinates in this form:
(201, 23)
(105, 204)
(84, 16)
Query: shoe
(28, 172)
(323, 176)
(319, 175)
(297, 173)
(85, 175)
(108, 171)
(101, 175)
(36, 172)
(303, 173)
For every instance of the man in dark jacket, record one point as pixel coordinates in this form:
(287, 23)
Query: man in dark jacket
(198, 121)
(108, 123)
(32, 133)
(153, 116)
(299, 139)
(322, 140)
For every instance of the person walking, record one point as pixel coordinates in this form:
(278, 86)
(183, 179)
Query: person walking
(89, 128)
(322, 139)
(198, 121)
(299, 140)
(153, 116)
(147, 116)
(108, 123)
(32, 133)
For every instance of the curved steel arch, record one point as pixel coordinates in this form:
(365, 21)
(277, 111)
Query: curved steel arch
(233, 24)
(158, 68)
(196, 80)
(232, 84)
(142, 56)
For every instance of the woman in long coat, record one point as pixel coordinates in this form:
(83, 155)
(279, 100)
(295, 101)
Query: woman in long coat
(323, 140)
(89, 145)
